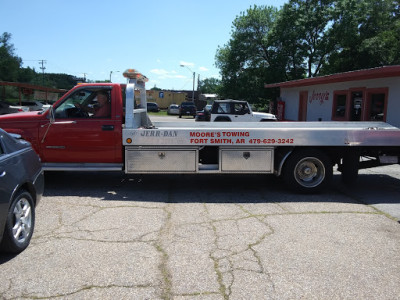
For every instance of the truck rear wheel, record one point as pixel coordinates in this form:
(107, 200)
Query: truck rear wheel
(308, 171)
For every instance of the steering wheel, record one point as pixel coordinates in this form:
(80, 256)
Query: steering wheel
(80, 113)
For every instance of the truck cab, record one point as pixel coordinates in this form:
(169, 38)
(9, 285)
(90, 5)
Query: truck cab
(69, 134)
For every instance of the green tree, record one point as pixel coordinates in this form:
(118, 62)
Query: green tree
(306, 38)
(248, 60)
(9, 63)
(303, 37)
(209, 86)
(367, 34)
(26, 75)
(55, 80)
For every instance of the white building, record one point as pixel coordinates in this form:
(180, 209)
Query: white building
(364, 95)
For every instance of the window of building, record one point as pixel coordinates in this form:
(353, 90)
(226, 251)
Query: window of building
(376, 105)
(339, 106)
(360, 104)
(356, 106)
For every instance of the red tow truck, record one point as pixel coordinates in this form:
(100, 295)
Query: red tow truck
(69, 136)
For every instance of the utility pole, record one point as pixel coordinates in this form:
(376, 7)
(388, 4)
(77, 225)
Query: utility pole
(194, 79)
(111, 73)
(42, 62)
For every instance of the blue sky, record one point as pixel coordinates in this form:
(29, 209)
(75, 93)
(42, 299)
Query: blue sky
(95, 37)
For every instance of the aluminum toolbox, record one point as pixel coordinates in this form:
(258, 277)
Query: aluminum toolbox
(160, 160)
(247, 160)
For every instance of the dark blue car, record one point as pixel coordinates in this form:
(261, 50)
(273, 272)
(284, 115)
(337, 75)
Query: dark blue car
(21, 188)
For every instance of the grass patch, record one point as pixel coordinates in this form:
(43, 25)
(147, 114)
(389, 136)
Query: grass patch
(160, 113)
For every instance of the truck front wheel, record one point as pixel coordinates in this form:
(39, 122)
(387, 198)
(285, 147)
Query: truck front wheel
(308, 171)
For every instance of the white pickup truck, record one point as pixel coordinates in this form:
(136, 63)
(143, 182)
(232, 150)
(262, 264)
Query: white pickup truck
(237, 111)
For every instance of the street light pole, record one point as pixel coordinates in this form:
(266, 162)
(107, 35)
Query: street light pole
(111, 74)
(194, 79)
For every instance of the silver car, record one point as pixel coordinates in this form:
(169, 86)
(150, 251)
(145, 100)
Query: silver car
(173, 109)
(21, 188)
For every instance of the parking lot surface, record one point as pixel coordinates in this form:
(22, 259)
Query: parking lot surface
(116, 236)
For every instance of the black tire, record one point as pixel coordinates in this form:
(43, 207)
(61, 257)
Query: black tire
(349, 167)
(20, 223)
(308, 171)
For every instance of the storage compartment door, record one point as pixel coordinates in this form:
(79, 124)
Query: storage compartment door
(160, 161)
(246, 161)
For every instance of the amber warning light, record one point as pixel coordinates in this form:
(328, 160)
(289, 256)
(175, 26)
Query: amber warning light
(129, 140)
(134, 74)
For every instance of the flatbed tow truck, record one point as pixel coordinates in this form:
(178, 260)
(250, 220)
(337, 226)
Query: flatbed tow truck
(303, 153)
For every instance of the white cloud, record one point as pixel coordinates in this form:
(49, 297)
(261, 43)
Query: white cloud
(203, 69)
(166, 74)
(159, 71)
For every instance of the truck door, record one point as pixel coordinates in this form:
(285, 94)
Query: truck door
(82, 132)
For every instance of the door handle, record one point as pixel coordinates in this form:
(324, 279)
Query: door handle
(65, 122)
(107, 127)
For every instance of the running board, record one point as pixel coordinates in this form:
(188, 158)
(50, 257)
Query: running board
(82, 167)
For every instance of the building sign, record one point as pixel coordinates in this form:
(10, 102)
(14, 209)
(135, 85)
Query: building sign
(320, 97)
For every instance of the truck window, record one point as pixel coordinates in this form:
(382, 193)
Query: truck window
(86, 103)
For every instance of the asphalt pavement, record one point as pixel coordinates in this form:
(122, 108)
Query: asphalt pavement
(117, 236)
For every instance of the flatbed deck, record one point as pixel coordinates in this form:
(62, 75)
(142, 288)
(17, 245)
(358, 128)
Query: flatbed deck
(266, 133)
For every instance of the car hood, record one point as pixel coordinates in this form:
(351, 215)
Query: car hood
(264, 115)
(22, 116)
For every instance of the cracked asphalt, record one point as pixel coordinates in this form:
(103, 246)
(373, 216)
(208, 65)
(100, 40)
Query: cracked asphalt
(116, 236)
